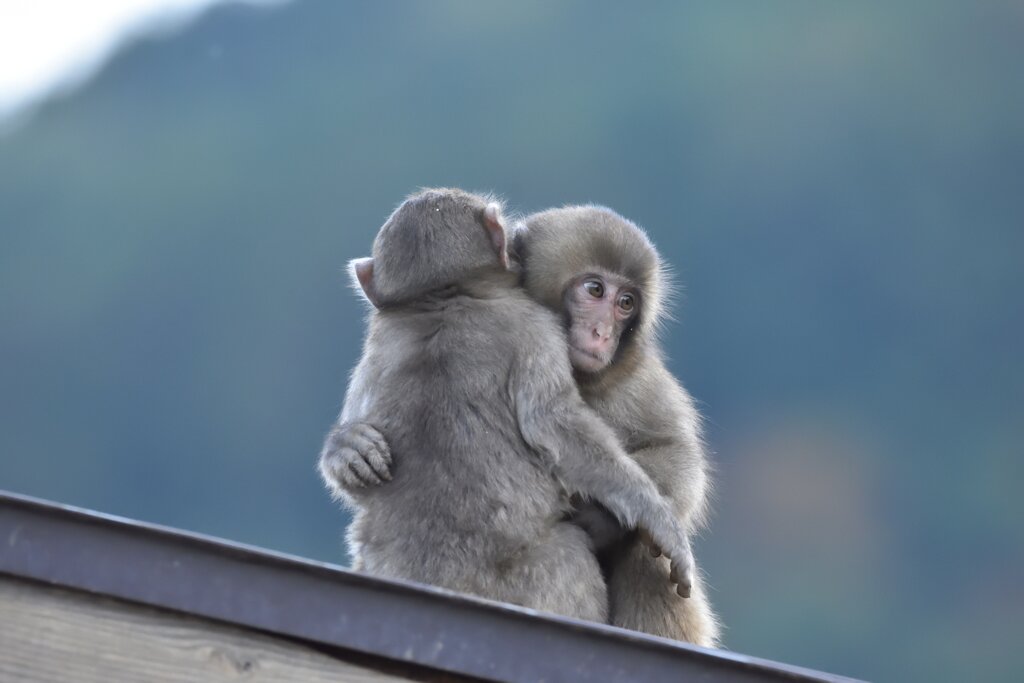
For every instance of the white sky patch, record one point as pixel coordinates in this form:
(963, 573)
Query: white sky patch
(49, 46)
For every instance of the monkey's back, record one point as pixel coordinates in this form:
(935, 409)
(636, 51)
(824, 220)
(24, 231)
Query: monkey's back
(468, 494)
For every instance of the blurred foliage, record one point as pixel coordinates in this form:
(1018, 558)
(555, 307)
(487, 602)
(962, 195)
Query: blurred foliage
(838, 187)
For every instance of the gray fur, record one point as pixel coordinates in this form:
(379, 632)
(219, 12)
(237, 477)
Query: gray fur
(486, 431)
(650, 411)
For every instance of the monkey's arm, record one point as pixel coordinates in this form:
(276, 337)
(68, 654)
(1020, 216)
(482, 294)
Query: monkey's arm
(679, 468)
(587, 458)
(355, 454)
(660, 429)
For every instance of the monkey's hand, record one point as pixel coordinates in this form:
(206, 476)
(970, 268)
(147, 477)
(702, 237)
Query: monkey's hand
(681, 562)
(601, 525)
(355, 455)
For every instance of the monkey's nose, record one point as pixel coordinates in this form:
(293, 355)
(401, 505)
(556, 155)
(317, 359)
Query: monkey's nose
(602, 331)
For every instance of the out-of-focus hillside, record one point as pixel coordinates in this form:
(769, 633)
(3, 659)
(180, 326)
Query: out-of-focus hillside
(838, 188)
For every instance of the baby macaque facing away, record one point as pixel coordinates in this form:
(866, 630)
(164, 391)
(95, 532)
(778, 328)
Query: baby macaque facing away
(469, 379)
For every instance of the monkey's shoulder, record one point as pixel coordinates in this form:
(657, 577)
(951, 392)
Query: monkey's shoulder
(511, 314)
(479, 333)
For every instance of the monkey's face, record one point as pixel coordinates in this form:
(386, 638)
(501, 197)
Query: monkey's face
(600, 307)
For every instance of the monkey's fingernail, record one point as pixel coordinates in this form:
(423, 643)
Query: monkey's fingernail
(683, 591)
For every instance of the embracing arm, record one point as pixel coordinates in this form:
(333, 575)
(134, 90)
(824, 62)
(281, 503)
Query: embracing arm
(586, 456)
(679, 470)
(355, 454)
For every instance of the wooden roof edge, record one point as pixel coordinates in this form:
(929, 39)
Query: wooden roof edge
(324, 604)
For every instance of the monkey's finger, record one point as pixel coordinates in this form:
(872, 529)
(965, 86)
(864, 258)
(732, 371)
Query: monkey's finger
(684, 585)
(374, 435)
(360, 439)
(681, 574)
(363, 472)
(379, 465)
(367, 431)
(333, 466)
(370, 445)
(346, 478)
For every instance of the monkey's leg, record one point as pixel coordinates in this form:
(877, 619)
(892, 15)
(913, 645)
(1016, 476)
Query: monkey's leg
(642, 600)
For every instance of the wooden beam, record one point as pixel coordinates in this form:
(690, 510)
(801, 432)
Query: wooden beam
(54, 634)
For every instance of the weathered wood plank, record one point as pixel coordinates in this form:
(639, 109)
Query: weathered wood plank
(53, 634)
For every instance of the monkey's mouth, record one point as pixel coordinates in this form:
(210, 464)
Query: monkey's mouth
(585, 359)
(585, 352)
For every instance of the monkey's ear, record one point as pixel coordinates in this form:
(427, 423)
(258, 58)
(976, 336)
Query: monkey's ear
(496, 229)
(361, 270)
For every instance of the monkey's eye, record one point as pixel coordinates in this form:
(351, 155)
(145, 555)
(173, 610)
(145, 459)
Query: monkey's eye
(627, 302)
(595, 288)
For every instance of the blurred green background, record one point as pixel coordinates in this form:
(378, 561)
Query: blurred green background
(839, 188)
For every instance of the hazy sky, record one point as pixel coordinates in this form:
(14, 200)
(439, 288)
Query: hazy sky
(51, 45)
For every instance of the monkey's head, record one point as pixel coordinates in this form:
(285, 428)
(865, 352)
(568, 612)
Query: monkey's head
(435, 239)
(601, 272)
